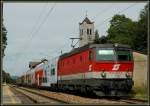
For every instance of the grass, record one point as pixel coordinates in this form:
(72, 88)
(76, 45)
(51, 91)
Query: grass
(139, 91)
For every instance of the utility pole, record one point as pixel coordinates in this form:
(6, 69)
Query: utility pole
(1, 47)
(61, 52)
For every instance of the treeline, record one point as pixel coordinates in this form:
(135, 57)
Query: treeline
(7, 78)
(126, 31)
(4, 39)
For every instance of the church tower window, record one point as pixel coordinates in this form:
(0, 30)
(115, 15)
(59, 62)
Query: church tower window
(87, 31)
(90, 31)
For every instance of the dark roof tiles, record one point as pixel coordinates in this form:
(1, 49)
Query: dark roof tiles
(87, 21)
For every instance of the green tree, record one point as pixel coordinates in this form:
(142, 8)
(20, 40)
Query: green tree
(121, 30)
(141, 32)
(100, 40)
(96, 37)
(125, 31)
(103, 39)
(4, 39)
(6, 77)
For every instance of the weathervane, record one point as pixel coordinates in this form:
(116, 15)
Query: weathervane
(86, 13)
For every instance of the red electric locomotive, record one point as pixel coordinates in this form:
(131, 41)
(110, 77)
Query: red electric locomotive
(105, 69)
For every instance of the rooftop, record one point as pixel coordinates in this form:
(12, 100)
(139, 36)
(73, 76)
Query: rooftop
(87, 21)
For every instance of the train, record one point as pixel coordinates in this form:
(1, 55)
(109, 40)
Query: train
(101, 69)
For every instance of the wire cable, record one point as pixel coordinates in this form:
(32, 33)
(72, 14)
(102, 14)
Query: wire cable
(116, 13)
(37, 21)
(44, 20)
(28, 45)
(102, 11)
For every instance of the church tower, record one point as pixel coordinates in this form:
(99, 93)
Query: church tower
(87, 33)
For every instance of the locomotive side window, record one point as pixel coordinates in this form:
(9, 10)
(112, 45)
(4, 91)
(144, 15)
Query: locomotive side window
(90, 55)
(53, 71)
(44, 79)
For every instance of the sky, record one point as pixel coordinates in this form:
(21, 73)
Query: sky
(43, 30)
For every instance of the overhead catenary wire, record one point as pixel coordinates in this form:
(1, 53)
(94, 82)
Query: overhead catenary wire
(102, 23)
(37, 21)
(33, 34)
(23, 47)
(59, 49)
(44, 20)
(34, 26)
(42, 23)
(103, 11)
(118, 12)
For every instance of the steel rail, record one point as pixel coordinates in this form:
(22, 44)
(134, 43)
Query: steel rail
(64, 102)
(39, 94)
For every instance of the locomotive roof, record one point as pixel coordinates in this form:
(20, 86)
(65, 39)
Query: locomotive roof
(78, 50)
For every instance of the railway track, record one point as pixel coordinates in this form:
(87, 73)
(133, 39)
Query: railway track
(64, 98)
(37, 98)
(134, 101)
(23, 98)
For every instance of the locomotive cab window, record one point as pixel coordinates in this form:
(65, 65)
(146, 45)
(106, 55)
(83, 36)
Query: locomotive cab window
(105, 55)
(113, 55)
(124, 55)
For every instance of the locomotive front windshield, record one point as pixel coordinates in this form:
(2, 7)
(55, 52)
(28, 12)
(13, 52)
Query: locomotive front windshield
(113, 55)
(124, 55)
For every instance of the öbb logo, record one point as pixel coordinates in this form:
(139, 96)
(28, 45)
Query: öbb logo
(116, 67)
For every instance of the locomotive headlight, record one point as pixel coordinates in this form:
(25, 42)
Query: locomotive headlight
(128, 74)
(103, 74)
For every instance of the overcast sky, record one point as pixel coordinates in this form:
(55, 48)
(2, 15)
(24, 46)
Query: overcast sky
(58, 22)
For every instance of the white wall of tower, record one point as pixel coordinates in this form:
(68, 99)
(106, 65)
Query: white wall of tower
(85, 33)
